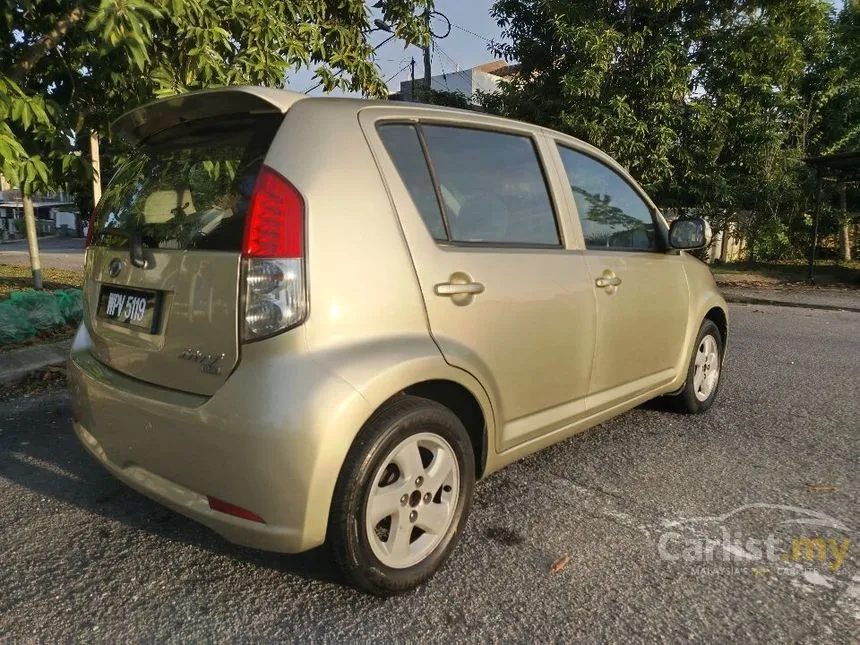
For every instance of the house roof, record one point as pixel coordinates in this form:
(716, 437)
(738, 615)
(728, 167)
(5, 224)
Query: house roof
(844, 164)
(498, 68)
(36, 203)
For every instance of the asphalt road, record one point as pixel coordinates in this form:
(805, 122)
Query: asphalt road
(54, 252)
(83, 557)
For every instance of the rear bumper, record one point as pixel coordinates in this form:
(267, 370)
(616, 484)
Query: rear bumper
(271, 440)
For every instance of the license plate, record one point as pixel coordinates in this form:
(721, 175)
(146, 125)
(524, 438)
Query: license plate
(131, 307)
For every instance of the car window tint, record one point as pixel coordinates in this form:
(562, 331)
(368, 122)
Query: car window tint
(187, 187)
(401, 142)
(492, 185)
(611, 213)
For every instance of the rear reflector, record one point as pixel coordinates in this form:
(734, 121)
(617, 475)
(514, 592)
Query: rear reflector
(275, 224)
(231, 509)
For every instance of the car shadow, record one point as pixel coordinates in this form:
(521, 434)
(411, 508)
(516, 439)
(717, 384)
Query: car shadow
(49, 461)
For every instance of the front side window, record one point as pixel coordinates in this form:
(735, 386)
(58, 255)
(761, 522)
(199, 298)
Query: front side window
(611, 212)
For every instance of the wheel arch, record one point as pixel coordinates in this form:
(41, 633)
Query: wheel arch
(717, 315)
(464, 404)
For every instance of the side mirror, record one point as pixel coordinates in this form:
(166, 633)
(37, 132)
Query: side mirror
(688, 234)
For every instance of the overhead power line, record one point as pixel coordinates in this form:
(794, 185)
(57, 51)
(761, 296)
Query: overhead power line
(472, 33)
(459, 68)
(398, 73)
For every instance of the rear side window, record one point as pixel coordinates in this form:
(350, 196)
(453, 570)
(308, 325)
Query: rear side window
(611, 212)
(491, 184)
(187, 187)
(403, 145)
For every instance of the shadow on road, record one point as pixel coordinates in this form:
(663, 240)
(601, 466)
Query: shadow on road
(39, 452)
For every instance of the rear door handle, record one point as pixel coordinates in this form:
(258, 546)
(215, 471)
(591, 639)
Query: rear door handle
(606, 281)
(458, 288)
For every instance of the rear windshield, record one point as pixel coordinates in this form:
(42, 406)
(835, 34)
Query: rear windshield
(187, 187)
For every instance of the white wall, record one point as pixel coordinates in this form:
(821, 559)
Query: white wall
(64, 218)
(453, 82)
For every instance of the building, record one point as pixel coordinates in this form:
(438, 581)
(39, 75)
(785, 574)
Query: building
(468, 82)
(52, 212)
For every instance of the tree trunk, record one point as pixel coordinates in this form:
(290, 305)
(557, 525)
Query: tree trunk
(97, 168)
(724, 242)
(47, 42)
(32, 239)
(844, 226)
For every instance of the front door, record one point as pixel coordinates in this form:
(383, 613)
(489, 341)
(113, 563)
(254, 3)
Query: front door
(642, 294)
(506, 301)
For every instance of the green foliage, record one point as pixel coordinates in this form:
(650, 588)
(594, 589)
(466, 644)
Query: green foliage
(70, 66)
(712, 104)
(838, 83)
(612, 73)
(441, 97)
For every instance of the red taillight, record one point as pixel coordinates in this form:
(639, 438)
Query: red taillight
(231, 509)
(273, 265)
(275, 224)
(91, 227)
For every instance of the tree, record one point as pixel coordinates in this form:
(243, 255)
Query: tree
(837, 83)
(70, 66)
(611, 72)
(703, 100)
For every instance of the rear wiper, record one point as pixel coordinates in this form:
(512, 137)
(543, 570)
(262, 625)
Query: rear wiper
(135, 246)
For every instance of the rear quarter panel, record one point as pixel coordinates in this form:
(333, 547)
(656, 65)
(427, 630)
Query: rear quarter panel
(367, 320)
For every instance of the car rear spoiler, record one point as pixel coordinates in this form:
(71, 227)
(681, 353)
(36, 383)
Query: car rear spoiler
(139, 124)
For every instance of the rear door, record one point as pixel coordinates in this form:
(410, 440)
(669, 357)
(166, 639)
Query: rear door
(505, 299)
(641, 290)
(162, 276)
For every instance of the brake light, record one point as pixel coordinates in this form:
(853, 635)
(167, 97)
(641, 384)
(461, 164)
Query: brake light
(231, 509)
(273, 258)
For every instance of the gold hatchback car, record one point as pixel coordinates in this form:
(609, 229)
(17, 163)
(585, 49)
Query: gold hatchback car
(317, 319)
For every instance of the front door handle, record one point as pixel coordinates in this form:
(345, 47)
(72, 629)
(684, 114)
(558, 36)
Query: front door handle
(606, 281)
(458, 288)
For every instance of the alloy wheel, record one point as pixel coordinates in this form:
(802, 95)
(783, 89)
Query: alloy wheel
(412, 500)
(706, 371)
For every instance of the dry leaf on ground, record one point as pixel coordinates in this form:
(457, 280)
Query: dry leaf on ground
(821, 488)
(559, 564)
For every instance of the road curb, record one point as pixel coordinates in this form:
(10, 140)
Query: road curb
(18, 363)
(751, 300)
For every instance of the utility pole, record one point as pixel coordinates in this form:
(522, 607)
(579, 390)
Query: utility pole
(819, 195)
(32, 240)
(427, 53)
(412, 88)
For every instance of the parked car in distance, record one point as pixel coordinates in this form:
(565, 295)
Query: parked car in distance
(314, 319)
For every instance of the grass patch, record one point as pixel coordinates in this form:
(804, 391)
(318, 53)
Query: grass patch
(15, 277)
(845, 274)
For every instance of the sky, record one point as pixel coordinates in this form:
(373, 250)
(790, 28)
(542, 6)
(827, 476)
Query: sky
(458, 48)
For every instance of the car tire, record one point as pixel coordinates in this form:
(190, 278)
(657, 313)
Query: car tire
(413, 466)
(704, 372)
